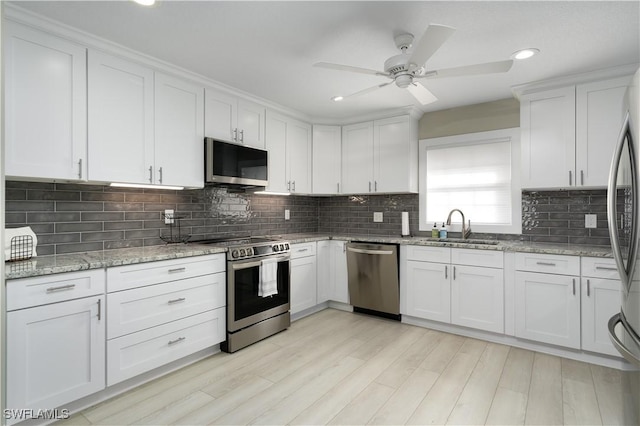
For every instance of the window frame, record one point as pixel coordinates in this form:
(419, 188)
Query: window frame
(511, 135)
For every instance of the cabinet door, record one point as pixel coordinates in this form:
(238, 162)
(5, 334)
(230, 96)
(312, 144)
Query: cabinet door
(121, 139)
(548, 308)
(327, 163)
(45, 105)
(276, 144)
(303, 283)
(357, 158)
(600, 110)
(340, 289)
(428, 293)
(477, 298)
(179, 130)
(324, 270)
(547, 122)
(55, 353)
(299, 156)
(600, 301)
(395, 155)
(251, 123)
(220, 115)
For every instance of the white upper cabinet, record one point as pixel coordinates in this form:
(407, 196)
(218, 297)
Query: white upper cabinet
(231, 119)
(380, 156)
(289, 144)
(327, 155)
(45, 105)
(121, 106)
(568, 134)
(179, 132)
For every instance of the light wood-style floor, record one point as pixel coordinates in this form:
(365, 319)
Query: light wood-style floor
(337, 367)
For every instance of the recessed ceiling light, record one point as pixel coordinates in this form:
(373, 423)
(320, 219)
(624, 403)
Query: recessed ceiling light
(337, 98)
(145, 2)
(525, 53)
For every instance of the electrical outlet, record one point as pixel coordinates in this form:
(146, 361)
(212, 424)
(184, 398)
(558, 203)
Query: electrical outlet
(590, 220)
(287, 214)
(168, 217)
(377, 217)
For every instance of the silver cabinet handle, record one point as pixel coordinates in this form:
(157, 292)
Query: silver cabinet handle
(338, 187)
(150, 174)
(171, 302)
(454, 272)
(80, 168)
(294, 186)
(546, 263)
(574, 286)
(302, 250)
(171, 271)
(369, 186)
(588, 289)
(570, 178)
(160, 174)
(241, 135)
(99, 309)
(235, 134)
(446, 272)
(606, 268)
(60, 288)
(178, 340)
(288, 185)
(581, 177)
(375, 186)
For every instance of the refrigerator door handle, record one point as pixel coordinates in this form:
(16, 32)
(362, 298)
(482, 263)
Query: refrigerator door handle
(626, 274)
(619, 345)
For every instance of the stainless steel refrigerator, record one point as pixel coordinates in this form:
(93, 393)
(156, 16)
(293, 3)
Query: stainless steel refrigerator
(623, 212)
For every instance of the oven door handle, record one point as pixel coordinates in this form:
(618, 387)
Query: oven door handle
(237, 265)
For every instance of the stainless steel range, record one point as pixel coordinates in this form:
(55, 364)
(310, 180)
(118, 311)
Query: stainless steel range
(258, 289)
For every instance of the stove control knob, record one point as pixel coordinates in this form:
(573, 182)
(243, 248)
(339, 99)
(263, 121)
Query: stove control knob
(275, 247)
(234, 254)
(286, 246)
(249, 251)
(242, 252)
(281, 247)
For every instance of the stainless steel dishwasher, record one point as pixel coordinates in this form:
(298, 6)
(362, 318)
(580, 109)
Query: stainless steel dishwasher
(373, 278)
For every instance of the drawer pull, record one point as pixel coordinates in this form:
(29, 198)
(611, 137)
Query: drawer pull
(178, 340)
(574, 286)
(546, 263)
(446, 272)
(606, 268)
(99, 309)
(171, 271)
(588, 289)
(182, 299)
(303, 250)
(454, 272)
(60, 288)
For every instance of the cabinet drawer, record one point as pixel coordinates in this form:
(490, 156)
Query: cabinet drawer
(141, 308)
(303, 250)
(136, 353)
(550, 263)
(471, 257)
(600, 267)
(27, 292)
(429, 254)
(142, 274)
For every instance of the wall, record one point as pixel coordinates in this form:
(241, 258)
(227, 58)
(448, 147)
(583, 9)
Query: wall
(501, 114)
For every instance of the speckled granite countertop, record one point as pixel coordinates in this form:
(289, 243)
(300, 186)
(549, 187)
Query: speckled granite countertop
(46, 265)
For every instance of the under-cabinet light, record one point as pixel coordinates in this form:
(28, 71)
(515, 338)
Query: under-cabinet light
(146, 186)
(271, 193)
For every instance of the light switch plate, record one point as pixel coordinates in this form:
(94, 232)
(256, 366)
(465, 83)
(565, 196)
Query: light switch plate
(377, 217)
(168, 217)
(590, 220)
(287, 214)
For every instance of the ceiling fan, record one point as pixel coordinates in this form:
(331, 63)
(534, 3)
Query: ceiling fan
(405, 68)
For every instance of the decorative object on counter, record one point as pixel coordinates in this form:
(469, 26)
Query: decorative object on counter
(435, 232)
(405, 224)
(175, 233)
(443, 231)
(19, 244)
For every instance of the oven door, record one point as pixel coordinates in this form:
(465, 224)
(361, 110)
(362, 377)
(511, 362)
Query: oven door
(244, 306)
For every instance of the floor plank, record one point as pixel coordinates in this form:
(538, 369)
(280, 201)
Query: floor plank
(544, 406)
(579, 395)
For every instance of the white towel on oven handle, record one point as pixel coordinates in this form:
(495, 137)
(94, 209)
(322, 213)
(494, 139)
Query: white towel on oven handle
(268, 283)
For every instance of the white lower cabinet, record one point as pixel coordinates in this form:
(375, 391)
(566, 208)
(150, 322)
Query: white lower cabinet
(332, 271)
(159, 312)
(303, 277)
(477, 297)
(428, 289)
(55, 351)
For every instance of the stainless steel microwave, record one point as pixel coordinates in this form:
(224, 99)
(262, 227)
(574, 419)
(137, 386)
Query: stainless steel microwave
(231, 163)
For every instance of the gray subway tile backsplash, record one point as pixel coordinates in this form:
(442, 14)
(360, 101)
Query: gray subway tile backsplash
(74, 218)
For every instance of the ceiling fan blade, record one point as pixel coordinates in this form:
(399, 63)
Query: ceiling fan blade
(367, 90)
(349, 68)
(487, 68)
(433, 38)
(421, 93)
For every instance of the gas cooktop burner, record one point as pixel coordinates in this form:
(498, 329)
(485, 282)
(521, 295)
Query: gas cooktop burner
(240, 248)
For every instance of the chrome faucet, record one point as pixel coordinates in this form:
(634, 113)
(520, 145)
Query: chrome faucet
(465, 231)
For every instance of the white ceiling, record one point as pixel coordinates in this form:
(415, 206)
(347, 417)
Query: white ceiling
(267, 48)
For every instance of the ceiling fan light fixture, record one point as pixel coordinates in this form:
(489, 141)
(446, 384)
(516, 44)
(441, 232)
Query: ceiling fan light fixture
(404, 80)
(337, 98)
(525, 53)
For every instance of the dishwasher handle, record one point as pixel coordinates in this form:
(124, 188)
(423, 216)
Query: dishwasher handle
(365, 251)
